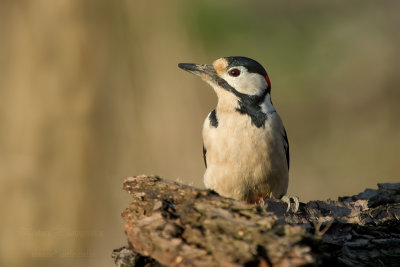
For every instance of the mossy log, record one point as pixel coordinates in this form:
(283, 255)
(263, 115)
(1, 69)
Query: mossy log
(171, 224)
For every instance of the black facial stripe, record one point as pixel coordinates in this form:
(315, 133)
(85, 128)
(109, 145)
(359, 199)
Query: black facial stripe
(256, 99)
(250, 64)
(251, 106)
(213, 119)
(248, 104)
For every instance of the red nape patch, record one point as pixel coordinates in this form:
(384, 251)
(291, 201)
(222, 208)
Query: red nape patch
(268, 81)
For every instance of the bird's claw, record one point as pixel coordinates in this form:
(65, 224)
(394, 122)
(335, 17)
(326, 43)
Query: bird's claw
(287, 199)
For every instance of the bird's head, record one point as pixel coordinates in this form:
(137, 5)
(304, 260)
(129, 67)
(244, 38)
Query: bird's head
(234, 79)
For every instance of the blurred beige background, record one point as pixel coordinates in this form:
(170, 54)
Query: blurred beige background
(90, 93)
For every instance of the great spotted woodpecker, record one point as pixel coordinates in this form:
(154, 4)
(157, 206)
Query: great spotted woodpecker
(245, 146)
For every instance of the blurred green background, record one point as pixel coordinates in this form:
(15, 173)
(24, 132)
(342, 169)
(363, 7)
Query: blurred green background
(90, 93)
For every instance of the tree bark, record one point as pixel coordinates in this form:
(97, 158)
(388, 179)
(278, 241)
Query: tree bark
(171, 224)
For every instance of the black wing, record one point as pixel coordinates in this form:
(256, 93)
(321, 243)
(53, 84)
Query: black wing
(286, 146)
(204, 155)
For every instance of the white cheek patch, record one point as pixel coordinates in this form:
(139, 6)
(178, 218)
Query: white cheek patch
(246, 83)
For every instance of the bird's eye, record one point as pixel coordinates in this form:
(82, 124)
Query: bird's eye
(234, 72)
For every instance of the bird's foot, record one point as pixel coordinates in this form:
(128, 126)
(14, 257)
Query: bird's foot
(287, 199)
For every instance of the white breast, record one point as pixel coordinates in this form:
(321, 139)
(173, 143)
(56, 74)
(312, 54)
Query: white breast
(245, 162)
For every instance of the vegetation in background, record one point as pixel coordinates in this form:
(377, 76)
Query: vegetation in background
(90, 93)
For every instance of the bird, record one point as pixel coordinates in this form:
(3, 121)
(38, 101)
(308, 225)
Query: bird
(245, 145)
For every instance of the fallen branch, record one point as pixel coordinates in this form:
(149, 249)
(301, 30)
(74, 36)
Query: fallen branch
(171, 224)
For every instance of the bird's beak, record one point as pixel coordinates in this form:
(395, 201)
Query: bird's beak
(206, 72)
